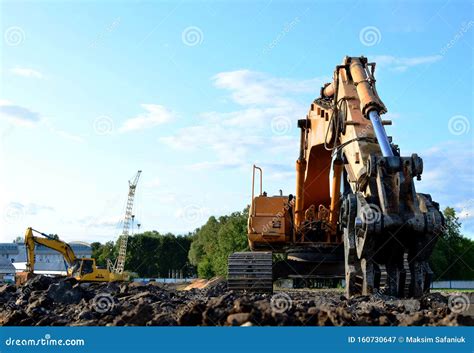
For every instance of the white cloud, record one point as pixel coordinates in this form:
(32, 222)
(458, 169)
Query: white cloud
(447, 176)
(153, 183)
(155, 115)
(254, 88)
(25, 117)
(402, 64)
(18, 115)
(26, 72)
(237, 138)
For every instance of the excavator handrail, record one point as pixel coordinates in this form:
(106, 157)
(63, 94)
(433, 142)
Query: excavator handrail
(253, 184)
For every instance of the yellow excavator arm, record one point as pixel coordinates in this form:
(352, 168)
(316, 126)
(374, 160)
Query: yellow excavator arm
(60, 246)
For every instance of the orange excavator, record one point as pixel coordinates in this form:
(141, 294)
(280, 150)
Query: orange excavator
(356, 214)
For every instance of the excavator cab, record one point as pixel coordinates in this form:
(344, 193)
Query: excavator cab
(86, 270)
(270, 218)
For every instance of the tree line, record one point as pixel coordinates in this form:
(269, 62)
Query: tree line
(150, 254)
(204, 251)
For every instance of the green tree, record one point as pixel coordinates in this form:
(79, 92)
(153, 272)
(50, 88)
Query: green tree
(152, 254)
(453, 255)
(215, 241)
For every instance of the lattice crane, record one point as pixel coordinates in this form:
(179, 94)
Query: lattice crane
(119, 265)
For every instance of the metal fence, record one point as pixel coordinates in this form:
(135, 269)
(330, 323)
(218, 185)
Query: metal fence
(452, 285)
(163, 280)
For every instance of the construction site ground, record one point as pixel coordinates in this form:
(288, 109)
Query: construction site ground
(47, 301)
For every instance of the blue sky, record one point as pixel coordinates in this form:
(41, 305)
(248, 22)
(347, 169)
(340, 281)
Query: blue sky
(194, 93)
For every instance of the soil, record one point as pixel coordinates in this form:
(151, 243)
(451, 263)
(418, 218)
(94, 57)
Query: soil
(46, 301)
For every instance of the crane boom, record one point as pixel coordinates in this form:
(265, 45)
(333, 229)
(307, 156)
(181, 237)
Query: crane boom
(120, 263)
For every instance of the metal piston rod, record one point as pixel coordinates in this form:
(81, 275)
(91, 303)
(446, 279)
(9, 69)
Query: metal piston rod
(380, 134)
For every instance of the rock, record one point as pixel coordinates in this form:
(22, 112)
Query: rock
(163, 320)
(238, 319)
(50, 301)
(243, 305)
(86, 315)
(64, 292)
(248, 323)
(12, 318)
(192, 316)
(138, 316)
(433, 301)
(38, 282)
(7, 289)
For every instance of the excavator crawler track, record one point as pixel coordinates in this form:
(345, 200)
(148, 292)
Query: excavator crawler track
(250, 271)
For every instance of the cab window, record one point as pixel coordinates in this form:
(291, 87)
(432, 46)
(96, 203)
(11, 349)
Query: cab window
(86, 267)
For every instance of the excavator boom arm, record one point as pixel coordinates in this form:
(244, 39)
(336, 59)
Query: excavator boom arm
(60, 246)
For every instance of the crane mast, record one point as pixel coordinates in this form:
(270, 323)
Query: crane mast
(123, 241)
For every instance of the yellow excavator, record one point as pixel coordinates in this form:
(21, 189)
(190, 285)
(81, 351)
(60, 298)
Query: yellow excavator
(79, 269)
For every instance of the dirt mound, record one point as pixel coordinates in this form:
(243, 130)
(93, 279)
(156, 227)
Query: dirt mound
(205, 283)
(47, 301)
